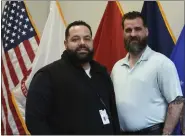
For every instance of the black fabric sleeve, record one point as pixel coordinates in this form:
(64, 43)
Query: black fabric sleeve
(38, 105)
(114, 113)
(113, 107)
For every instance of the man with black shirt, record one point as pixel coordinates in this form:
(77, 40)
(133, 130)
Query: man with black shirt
(73, 95)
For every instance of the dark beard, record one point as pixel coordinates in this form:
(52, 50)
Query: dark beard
(135, 47)
(80, 58)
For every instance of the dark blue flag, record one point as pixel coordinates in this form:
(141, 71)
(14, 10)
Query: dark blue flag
(178, 57)
(160, 37)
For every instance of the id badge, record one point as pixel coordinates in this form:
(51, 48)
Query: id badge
(104, 117)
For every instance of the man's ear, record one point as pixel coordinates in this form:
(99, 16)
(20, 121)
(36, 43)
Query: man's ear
(65, 43)
(147, 32)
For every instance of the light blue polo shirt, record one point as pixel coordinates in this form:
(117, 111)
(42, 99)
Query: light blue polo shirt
(143, 92)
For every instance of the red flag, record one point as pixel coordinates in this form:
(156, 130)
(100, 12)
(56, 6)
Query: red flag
(108, 41)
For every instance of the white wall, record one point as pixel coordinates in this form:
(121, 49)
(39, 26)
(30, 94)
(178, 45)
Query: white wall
(89, 11)
(92, 11)
(174, 11)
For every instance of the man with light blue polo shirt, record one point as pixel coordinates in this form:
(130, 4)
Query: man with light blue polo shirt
(147, 88)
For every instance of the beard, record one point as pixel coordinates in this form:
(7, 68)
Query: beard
(78, 57)
(135, 45)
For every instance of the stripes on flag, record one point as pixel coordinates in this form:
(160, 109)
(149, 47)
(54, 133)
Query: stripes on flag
(11, 69)
(26, 59)
(3, 121)
(7, 72)
(29, 50)
(20, 41)
(9, 107)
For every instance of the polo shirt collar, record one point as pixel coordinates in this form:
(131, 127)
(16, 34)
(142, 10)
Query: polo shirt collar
(144, 56)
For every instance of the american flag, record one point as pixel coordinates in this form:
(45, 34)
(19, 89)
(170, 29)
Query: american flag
(19, 45)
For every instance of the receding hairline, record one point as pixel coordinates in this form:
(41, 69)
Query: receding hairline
(80, 26)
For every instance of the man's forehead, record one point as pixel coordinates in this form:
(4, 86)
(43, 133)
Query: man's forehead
(134, 22)
(79, 31)
(79, 28)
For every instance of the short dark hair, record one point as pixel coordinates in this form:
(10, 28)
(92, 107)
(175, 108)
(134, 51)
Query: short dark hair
(77, 23)
(133, 15)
